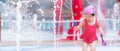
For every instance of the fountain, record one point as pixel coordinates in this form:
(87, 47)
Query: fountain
(31, 21)
(18, 24)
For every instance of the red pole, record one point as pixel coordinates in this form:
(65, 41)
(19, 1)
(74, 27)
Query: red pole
(59, 17)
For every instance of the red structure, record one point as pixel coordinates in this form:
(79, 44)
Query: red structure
(59, 16)
(77, 8)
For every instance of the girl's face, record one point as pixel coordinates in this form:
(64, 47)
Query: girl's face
(89, 17)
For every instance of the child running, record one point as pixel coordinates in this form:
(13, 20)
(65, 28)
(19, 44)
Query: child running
(89, 26)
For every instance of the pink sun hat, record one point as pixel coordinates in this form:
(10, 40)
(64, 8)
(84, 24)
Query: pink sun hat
(90, 10)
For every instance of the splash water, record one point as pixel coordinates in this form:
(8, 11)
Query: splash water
(24, 21)
(18, 24)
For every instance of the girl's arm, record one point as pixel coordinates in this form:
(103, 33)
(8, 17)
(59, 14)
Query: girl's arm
(99, 27)
(80, 25)
(101, 33)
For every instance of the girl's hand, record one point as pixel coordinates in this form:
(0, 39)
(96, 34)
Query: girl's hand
(76, 28)
(103, 41)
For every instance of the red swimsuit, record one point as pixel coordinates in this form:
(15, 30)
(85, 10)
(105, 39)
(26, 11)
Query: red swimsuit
(89, 32)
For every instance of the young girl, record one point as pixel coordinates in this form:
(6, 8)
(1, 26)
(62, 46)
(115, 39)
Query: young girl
(89, 26)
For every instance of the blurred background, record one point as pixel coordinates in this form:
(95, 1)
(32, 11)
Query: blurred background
(30, 25)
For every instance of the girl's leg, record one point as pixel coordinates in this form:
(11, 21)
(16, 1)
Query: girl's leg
(84, 46)
(93, 46)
